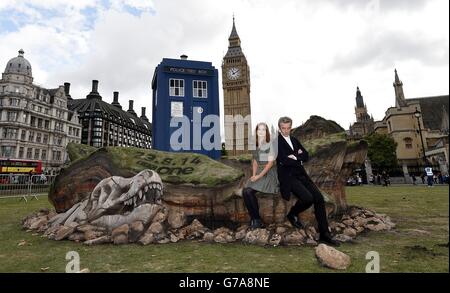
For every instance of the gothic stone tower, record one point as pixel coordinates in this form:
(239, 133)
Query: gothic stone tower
(399, 95)
(364, 123)
(236, 93)
(361, 108)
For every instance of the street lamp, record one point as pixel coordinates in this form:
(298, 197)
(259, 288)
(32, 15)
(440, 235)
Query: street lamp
(417, 114)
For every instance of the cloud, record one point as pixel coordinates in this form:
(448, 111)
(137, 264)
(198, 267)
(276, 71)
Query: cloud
(306, 57)
(384, 49)
(382, 5)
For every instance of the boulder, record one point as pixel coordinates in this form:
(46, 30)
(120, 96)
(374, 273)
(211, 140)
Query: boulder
(136, 230)
(77, 237)
(120, 234)
(147, 238)
(93, 234)
(173, 238)
(38, 222)
(331, 257)
(223, 238)
(209, 237)
(161, 216)
(240, 234)
(156, 228)
(176, 218)
(350, 232)
(294, 238)
(257, 236)
(275, 239)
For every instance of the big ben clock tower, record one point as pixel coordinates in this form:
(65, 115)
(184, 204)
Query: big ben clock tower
(236, 93)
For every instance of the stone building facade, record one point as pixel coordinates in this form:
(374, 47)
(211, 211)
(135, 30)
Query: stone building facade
(35, 122)
(402, 125)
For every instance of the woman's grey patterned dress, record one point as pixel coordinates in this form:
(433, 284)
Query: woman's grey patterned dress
(269, 183)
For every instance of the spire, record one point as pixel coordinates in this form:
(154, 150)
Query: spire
(359, 98)
(234, 46)
(399, 95)
(234, 33)
(397, 80)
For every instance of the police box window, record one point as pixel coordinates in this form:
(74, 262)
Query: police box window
(176, 87)
(200, 89)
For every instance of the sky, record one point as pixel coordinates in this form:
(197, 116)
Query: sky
(306, 57)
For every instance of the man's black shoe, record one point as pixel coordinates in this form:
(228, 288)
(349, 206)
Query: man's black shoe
(294, 221)
(326, 239)
(256, 224)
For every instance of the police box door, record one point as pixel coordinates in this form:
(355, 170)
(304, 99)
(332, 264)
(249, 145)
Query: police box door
(199, 110)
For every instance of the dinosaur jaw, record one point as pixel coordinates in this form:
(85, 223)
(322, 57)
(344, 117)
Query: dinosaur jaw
(148, 193)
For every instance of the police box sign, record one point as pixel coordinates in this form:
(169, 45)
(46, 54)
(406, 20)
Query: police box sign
(182, 70)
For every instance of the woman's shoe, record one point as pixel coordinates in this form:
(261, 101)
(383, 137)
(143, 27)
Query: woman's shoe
(256, 224)
(294, 220)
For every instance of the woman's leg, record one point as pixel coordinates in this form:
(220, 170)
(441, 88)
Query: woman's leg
(251, 202)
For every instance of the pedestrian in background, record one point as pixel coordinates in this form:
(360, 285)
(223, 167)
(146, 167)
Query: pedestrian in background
(414, 179)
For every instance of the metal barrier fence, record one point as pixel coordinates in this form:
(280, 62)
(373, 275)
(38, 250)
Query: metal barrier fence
(24, 185)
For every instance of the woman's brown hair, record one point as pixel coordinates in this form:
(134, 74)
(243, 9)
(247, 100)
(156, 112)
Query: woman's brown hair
(267, 133)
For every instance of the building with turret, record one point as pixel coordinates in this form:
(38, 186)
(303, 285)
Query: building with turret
(35, 122)
(236, 95)
(419, 126)
(364, 124)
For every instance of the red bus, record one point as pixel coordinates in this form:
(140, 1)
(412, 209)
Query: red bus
(20, 166)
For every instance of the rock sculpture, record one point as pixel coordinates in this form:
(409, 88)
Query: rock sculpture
(116, 201)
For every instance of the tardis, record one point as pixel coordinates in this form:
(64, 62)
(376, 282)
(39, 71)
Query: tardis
(186, 107)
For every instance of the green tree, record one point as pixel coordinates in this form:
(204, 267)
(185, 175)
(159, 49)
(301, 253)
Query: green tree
(381, 151)
(223, 152)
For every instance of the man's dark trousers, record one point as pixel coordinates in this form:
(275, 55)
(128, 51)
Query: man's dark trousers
(308, 194)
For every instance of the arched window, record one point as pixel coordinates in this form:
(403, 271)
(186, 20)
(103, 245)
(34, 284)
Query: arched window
(408, 142)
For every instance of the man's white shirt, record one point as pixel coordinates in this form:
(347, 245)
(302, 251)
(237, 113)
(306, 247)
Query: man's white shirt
(288, 140)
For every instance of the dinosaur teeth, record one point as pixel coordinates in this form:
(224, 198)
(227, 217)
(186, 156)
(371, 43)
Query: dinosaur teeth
(146, 188)
(140, 194)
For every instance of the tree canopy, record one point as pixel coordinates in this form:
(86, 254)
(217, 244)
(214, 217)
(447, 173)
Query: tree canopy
(381, 151)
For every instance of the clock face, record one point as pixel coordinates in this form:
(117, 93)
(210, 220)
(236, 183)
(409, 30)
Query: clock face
(233, 73)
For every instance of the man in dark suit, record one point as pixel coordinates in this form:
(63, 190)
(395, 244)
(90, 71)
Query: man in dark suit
(293, 178)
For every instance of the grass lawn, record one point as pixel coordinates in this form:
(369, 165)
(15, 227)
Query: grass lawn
(419, 243)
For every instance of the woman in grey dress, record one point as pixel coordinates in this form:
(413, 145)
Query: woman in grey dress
(264, 175)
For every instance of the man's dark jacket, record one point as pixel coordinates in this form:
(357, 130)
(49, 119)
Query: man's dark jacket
(289, 169)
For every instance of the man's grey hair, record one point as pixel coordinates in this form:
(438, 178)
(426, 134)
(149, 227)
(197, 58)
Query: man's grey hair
(284, 119)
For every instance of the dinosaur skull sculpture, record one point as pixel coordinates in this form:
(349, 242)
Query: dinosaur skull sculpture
(118, 195)
(117, 200)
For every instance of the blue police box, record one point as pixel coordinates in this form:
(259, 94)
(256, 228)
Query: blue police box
(186, 90)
